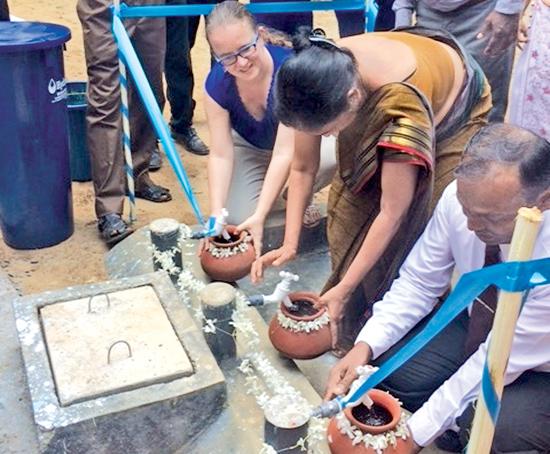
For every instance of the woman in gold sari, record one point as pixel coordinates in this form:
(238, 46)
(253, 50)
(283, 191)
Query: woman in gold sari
(403, 106)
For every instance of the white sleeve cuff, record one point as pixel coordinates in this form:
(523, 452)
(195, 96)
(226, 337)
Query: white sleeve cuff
(375, 338)
(424, 430)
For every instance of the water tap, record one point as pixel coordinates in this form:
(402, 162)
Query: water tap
(336, 405)
(280, 294)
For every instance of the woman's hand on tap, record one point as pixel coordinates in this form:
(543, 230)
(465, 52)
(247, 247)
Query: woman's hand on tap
(276, 257)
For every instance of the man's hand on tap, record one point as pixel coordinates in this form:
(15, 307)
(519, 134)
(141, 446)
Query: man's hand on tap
(344, 372)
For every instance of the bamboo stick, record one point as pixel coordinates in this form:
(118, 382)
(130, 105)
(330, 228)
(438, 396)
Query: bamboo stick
(507, 313)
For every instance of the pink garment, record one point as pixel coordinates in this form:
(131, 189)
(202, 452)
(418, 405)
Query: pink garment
(530, 91)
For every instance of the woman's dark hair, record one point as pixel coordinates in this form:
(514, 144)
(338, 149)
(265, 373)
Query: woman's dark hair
(311, 87)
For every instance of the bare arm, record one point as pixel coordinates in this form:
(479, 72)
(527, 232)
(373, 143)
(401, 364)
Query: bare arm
(398, 186)
(305, 164)
(275, 178)
(220, 160)
(277, 172)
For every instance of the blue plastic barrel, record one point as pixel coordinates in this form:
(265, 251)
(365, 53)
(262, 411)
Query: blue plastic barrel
(78, 147)
(35, 183)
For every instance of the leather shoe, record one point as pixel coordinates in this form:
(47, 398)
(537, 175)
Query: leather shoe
(191, 141)
(155, 162)
(113, 228)
(154, 193)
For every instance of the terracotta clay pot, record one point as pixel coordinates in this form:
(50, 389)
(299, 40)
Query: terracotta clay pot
(233, 267)
(341, 443)
(300, 344)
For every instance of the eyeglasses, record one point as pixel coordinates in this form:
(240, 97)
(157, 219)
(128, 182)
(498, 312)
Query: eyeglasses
(245, 52)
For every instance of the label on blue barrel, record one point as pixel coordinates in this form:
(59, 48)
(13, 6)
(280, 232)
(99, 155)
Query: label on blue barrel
(57, 89)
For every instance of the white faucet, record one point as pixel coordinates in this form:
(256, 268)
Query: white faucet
(280, 294)
(220, 223)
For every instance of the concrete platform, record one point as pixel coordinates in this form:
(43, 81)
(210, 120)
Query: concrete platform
(314, 268)
(239, 427)
(127, 418)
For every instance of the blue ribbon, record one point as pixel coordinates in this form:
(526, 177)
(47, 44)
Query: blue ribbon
(148, 98)
(510, 276)
(270, 7)
(490, 395)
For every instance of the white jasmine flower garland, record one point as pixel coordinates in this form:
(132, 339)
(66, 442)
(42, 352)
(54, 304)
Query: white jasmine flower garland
(271, 382)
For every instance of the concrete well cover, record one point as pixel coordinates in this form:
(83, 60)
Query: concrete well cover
(79, 334)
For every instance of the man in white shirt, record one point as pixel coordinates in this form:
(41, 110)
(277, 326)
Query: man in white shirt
(486, 28)
(504, 168)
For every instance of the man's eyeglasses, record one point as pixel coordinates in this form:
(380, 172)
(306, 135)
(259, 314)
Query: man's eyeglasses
(245, 52)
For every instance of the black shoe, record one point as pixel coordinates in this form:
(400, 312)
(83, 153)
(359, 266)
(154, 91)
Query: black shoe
(113, 228)
(155, 162)
(154, 193)
(191, 141)
(449, 441)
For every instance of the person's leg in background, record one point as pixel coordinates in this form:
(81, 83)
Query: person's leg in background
(180, 38)
(524, 420)
(103, 115)
(351, 22)
(385, 19)
(464, 23)
(148, 39)
(103, 118)
(4, 10)
(285, 22)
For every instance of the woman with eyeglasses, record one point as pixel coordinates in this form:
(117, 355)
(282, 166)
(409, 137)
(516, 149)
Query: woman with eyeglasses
(251, 152)
(403, 105)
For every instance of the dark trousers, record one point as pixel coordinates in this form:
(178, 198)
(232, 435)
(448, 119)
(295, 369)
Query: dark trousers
(349, 22)
(385, 19)
(181, 33)
(4, 10)
(524, 421)
(103, 118)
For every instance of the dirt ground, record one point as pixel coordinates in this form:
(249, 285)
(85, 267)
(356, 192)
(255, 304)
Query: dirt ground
(79, 259)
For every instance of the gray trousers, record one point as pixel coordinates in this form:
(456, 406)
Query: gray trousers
(250, 165)
(523, 425)
(103, 119)
(464, 23)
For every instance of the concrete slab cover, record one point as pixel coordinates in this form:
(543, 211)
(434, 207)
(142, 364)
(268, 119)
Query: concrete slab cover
(111, 343)
(158, 417)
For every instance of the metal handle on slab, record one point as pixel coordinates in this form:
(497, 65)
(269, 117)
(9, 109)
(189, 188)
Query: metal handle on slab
(115, 343)
(93, 296)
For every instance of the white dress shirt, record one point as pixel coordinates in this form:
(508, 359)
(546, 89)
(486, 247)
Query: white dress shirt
(424, 276)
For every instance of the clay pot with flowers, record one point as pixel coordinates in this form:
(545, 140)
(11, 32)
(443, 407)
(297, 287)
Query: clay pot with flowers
(229, 259)
(381, 429)
(303, 331)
